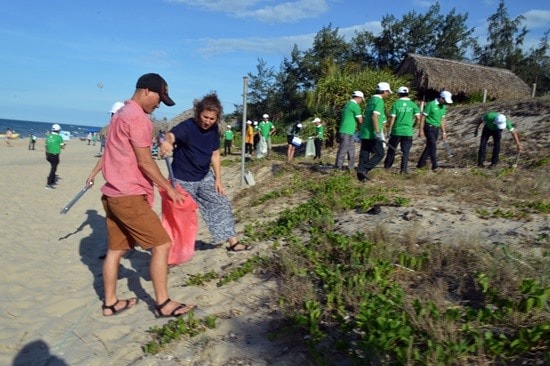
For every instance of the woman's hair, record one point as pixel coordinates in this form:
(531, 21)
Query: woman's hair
(210, 102)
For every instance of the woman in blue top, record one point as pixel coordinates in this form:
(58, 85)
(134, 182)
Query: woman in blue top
(195, 144)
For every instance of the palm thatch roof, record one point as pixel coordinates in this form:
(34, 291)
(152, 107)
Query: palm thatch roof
(430, 73)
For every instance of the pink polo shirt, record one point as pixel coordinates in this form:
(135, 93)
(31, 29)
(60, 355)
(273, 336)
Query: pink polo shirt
(130, 127)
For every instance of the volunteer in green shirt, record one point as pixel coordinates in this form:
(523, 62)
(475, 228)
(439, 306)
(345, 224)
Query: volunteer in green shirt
(266, 129)
(433, 119)
(54, 144)
(319, 137)
(372, 138)
(228, 141)
(350, 121)
(494, 124)
(403, 114)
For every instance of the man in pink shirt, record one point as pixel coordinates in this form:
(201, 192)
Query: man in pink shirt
(130, 172)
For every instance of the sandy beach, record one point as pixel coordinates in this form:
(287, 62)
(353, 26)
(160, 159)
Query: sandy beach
(51, 285)
(51, 275)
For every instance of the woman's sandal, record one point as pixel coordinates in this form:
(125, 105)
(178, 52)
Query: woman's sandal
(174, 312)
(231, 248)
(128, 304)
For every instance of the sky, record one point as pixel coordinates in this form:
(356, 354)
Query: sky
(68, 61)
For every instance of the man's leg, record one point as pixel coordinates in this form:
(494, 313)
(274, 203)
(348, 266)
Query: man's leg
(406, 144)
(111, 265)
(496, 147)
(485, 133)
(390, 155)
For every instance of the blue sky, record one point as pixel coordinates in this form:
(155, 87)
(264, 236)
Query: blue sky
(68, 61)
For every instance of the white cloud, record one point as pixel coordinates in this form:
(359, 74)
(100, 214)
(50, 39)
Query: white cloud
(537, 19)
(286, 12)
(280, 45)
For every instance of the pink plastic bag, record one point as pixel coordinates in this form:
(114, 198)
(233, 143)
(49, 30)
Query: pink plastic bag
(181, 223)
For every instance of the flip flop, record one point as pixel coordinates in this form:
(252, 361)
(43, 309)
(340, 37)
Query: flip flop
(113, 309)
(174, 313)
(231, 248)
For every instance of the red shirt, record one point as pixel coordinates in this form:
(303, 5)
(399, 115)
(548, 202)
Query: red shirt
(130, 127)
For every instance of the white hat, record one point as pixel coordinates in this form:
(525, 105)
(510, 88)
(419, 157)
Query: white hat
(299, 125)
(249, 122)
(447, 96)
(383, 86)
(500, 121)
(357, 93)
(116, 107)
(265, 116)
(316, 119)
(403, 90)
(56, 127)
(255, 123)
(229, 126)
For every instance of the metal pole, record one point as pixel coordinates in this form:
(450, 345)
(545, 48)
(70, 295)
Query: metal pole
(243, 128)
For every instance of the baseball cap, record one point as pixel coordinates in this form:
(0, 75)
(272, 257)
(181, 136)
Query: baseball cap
(56, 127)
(299, 125)
(383, 86)
(316, 119)
(249, 122)
(116, 107)
(265, 116)
(156, 83)
(447, 96)
(403, 90)
(357, 93)
(500, 121)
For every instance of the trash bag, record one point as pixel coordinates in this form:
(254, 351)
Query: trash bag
(181, 223)
(310, 147)
(262, 147)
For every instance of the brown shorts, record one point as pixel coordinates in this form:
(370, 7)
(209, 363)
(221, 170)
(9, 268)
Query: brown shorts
(130, 221)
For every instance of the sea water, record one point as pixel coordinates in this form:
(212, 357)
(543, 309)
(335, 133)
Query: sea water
(40, 129)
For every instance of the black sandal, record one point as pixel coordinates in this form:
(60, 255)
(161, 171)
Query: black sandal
(174, 313)
(231, 248)
(113, 309)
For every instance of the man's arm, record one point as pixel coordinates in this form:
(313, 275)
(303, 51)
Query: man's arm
(93, 173)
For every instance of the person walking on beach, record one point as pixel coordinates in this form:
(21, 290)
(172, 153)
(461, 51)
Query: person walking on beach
(130, 172)
(54, 145)
(431, 120)
(404, 114)
(350, 121)
(372, 137)
(9, 136)
(196, 164)
(32, 141)
(319, 137)
(494, 124)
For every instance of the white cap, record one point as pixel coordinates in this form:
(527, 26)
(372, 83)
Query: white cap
(299, 125)
(255, 123)
(229, 126)
(316, 119)
(403, 90)
(56, 127)
(447, 96)
(383, 86)
(116, 107)
(249, 122)
(357, 93)
(500, 121)
(265, 116)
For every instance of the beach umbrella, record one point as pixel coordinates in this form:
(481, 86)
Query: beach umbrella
(180, 222)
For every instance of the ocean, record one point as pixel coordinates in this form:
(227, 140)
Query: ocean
(25, 128)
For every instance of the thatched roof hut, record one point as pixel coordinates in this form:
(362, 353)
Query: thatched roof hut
(436, 74)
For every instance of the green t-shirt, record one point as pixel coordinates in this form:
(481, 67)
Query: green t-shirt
(228, 135)
(375, 105)
(54, 143)
(348, 121)
(404, 111)
(320, 132)
(265, 128)
(489, 119)
(434, 113)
